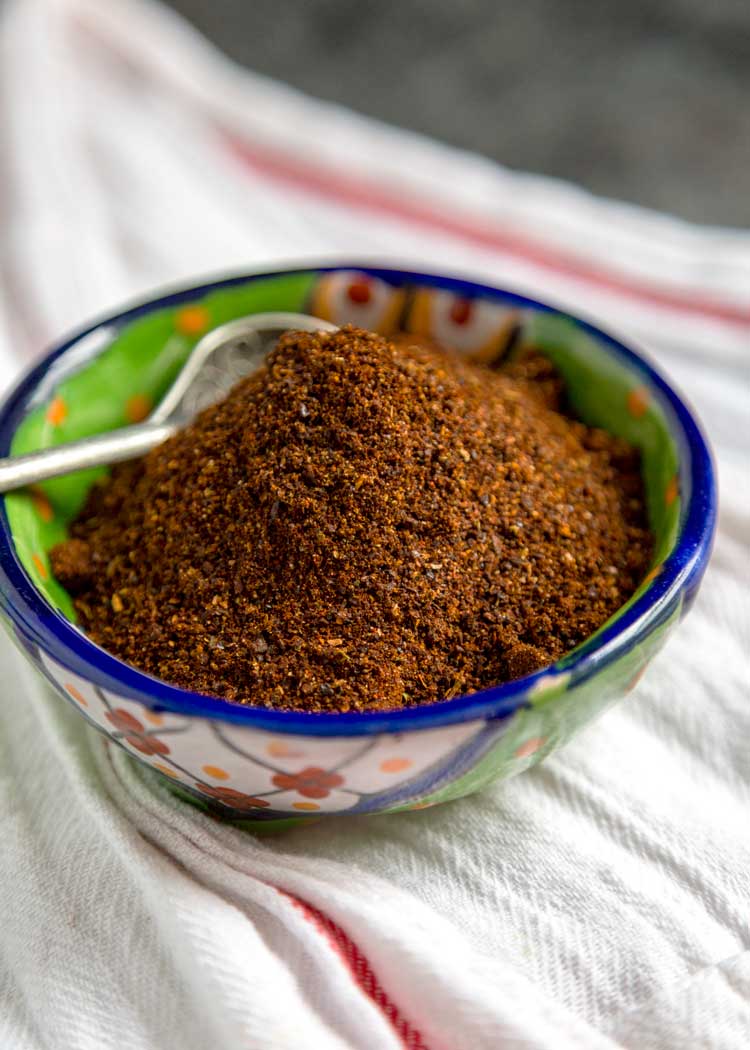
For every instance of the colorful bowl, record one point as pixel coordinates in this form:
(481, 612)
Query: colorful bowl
(255, 765)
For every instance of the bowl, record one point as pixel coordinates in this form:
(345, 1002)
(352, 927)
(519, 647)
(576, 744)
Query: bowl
(268, 768)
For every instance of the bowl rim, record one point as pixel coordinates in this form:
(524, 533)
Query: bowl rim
(679, 574)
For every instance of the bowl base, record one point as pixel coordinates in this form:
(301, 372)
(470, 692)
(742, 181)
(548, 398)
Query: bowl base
(265, 825)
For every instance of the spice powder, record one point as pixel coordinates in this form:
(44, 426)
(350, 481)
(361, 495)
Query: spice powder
(362, 525)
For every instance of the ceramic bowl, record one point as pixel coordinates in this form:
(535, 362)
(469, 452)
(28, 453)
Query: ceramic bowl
(255, 765)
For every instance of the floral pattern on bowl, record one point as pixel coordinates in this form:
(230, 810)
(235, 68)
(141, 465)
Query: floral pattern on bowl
(258, 766)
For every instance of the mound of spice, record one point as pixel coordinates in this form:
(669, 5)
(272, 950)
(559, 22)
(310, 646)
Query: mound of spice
(362, 525)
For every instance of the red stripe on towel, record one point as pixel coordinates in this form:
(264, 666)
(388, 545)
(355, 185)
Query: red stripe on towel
(361, 971)
(346, 189)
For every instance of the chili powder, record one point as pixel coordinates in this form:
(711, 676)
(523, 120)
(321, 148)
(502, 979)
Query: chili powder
(362, 525)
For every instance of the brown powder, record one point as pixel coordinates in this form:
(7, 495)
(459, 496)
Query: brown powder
(362, 525)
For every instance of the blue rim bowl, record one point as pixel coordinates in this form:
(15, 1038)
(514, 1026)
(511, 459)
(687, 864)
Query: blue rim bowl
(39, 624)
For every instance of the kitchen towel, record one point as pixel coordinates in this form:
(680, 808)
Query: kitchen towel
(599, 900)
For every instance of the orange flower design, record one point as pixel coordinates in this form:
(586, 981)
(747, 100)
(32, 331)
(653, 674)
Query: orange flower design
(134, 732)
(230, 797)
(311, 782)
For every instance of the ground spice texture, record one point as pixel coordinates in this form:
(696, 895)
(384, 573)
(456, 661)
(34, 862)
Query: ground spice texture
(362, 525)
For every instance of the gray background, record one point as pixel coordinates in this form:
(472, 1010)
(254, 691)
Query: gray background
(645, 100)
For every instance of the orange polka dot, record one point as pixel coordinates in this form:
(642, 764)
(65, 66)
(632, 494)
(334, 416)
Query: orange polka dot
(672, 491)
(42, 505)
(165, 769)
(395, 765)
(422, 805)
(278, 749)
(76, 694)
(653, 574)
(39, 565)
(192, 320)
(638, 402)
(137, 408)
(153, 718)
(57, 412)
(530, 746)
(636, 678)
(307, 807)
(216, 772)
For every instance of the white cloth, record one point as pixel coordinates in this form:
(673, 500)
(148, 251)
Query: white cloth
(600, 900)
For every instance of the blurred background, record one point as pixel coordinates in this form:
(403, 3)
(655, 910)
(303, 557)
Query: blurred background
(644, 100)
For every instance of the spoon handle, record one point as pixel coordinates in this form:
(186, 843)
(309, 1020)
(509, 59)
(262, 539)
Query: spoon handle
(113, 447)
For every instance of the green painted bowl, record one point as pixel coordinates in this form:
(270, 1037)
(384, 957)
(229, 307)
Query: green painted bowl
(255, 765)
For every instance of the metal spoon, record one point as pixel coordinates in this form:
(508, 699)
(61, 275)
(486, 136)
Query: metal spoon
(222, 357)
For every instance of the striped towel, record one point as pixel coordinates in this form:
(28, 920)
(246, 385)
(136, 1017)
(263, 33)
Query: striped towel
(600, 900)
